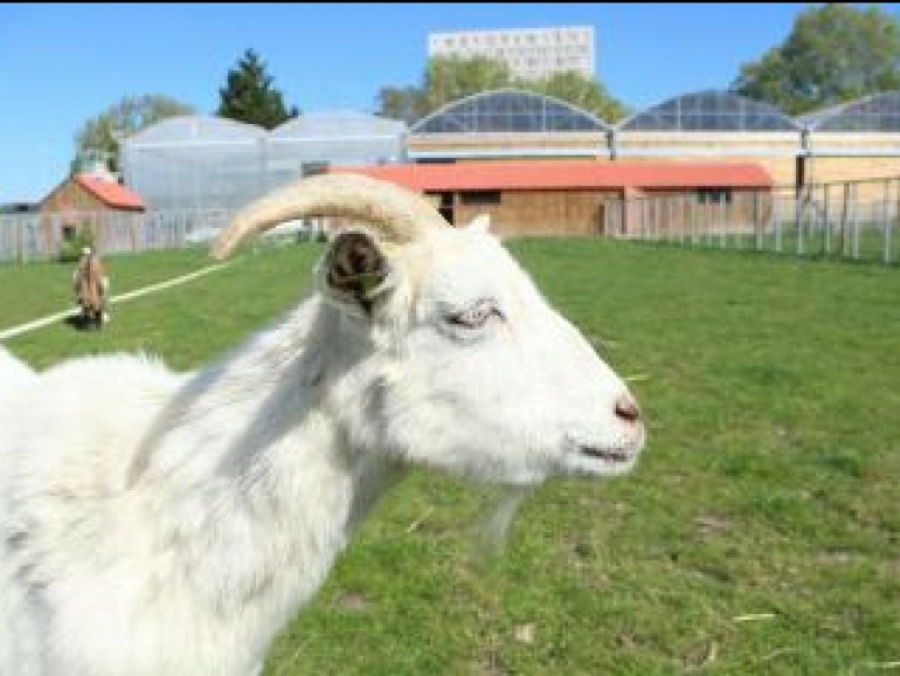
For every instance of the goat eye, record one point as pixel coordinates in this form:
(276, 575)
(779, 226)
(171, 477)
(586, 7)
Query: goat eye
(475, 316)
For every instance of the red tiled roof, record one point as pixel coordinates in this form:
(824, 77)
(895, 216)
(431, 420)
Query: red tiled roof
(111, 194)
(567, 175)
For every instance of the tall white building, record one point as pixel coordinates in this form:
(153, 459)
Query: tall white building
(529, 52)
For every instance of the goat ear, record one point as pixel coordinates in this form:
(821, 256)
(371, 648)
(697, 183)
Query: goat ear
(481, 223)
(355, 267)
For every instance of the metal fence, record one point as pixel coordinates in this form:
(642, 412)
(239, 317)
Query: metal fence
(37, 237)
(858, 220)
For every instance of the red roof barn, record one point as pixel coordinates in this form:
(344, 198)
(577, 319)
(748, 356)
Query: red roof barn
(574, 197)
(87, 203)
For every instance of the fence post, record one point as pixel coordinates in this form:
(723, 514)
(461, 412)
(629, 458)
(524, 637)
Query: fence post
(855, 244)
(827, 222)
(757, 220)
(894, 221)
(640, 217)
(692, 208)
(778, 224)
(886, 222)
(657, 219)
(845, 211)
(707, 227)
(723, 223)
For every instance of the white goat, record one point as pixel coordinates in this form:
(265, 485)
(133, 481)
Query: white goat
(13, 372)
(180, 530)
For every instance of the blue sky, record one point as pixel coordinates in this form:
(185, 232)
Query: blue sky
(63, 64)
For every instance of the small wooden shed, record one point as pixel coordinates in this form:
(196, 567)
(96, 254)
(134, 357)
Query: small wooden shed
(88, 203)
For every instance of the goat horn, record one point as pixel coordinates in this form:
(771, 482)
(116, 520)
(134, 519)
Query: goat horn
(399, 214)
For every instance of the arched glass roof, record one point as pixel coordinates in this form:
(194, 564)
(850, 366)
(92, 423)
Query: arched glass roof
(710, 111)
(197, 128)
(508, 110)
(878, 112)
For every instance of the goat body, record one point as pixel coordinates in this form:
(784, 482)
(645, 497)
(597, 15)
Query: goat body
(173, 523)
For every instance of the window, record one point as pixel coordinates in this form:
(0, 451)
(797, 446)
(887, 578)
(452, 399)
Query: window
(714, 196)
(480, 197)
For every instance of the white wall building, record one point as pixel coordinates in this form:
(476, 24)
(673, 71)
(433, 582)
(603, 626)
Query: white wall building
(529, 52)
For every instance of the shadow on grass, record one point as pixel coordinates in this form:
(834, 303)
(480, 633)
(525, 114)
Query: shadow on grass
(82, 322)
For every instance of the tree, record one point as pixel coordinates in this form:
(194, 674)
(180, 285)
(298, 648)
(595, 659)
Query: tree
(407, 103)
(448, 79)
(833, 54)
(581, 91)
(99, 136)
(250, 97)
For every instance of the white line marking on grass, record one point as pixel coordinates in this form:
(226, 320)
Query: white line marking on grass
(137, 293)
(165, 285)
(754, 617)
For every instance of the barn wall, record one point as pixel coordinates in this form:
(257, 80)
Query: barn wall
(849, 156)
(68, 206)
(540, 212)
(70, 196)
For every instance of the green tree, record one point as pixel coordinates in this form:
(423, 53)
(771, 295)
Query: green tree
(834, 53)
(99, 136)
(406, 103)
(581, 91)
(250, 97)
(448, 79)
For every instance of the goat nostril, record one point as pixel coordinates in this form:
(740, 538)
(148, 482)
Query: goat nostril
(627, 409)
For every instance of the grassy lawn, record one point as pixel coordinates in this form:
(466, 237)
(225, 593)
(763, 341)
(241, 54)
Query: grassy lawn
(36, 289)
(870, 245)
(760, 533)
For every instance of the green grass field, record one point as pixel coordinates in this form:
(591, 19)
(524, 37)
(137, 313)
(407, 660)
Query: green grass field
(759, 534)
(870, 245)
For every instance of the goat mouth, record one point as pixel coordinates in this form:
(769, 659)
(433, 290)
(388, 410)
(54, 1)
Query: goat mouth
(613, 455)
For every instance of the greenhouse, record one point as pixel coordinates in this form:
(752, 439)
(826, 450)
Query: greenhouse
(716, 126)
(508, 111)
(200, 162)
(876, 113)
(507, 123)
(710, 110)
(333, 137)
(193, 161)
(204, 162)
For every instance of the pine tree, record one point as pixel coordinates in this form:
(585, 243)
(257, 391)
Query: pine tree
(250, 97)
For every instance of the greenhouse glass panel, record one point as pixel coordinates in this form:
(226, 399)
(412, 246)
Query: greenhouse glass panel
(508, 111)
(875, 113)
(710, 111)
(201, 162)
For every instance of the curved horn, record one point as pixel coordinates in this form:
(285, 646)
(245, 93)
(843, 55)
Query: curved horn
(399, 214)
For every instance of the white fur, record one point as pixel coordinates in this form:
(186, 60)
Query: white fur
(172, 524)
(13, 372)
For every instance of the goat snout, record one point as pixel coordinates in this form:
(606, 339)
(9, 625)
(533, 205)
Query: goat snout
(627, 409)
